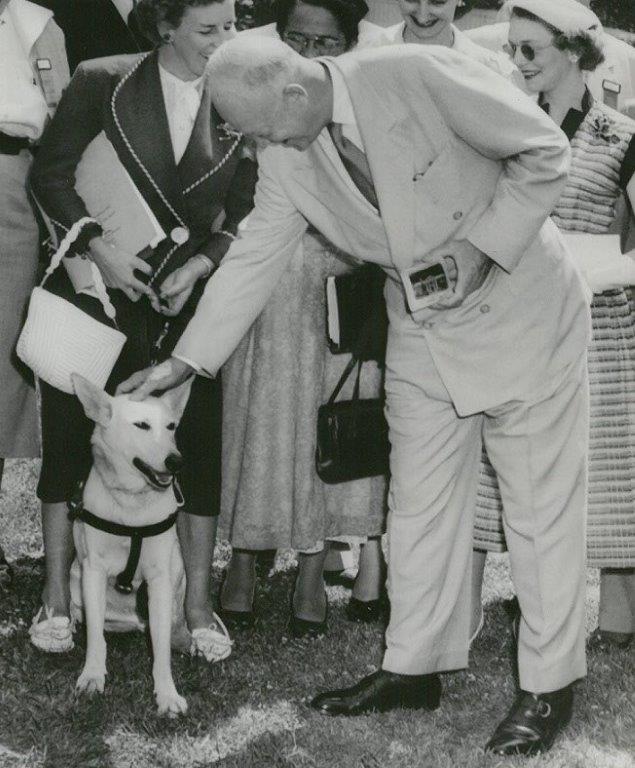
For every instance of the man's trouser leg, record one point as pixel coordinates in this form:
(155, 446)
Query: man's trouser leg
(434, 473)
(539, 452)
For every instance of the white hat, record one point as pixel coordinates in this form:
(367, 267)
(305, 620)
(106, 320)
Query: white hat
(568, 16)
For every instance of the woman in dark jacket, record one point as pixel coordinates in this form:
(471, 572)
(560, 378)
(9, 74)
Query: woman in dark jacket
(156, 112)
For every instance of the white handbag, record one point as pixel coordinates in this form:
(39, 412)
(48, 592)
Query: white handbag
(59, 339)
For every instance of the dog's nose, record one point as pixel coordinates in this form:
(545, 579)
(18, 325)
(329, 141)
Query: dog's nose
(174, 462)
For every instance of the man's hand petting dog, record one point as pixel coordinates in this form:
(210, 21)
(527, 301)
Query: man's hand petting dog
(159, 378)
(466, 267)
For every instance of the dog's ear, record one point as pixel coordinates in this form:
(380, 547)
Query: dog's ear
(176, 399)
(96, 402)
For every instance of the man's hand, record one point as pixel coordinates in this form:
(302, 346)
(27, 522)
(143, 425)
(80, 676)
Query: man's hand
(467, 268)
(177, 287)
(117, 268)
(166, 375)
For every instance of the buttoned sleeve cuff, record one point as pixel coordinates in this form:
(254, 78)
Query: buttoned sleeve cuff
(199, 371)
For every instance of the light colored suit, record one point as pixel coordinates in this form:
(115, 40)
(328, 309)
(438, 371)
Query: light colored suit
(455, 152)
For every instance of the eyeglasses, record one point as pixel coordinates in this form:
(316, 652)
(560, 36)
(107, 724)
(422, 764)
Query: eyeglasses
(528, 51)
(321, 42)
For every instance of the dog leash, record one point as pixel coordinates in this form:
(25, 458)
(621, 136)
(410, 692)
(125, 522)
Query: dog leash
(136, 533)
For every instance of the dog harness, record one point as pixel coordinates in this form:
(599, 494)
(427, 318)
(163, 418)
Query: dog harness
(123, 581)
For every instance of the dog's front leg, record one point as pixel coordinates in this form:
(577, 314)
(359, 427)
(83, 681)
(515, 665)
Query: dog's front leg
(160, 609)
(93, 675)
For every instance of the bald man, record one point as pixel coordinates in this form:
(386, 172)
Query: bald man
(411, 156)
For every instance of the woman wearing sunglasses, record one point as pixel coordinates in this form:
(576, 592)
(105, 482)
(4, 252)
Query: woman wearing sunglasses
(273, 385)
(555, 43)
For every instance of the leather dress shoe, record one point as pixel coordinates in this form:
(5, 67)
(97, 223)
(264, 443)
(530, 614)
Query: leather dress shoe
(380, 692)
(306, 628)
(532, 723)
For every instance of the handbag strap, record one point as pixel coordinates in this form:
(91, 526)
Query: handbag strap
(354, 361)
(56, 260)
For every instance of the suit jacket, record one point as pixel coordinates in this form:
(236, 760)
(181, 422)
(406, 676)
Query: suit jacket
(136, 123)
(455, 152)
(94, 28)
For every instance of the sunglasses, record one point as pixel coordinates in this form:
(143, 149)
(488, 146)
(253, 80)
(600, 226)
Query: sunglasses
(528, 51)
(321, 42)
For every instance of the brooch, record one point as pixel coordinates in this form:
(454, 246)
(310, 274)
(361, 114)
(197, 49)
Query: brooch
(229, 132)
(602, 128)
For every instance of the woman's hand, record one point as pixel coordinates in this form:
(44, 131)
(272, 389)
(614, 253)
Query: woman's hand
(118, 267)
(177, 287)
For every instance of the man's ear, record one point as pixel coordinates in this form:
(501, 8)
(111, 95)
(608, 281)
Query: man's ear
(294, 93)
(176, 399)
(97, 403)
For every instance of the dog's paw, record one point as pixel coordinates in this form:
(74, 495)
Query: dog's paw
(91, 681)
(170, 703)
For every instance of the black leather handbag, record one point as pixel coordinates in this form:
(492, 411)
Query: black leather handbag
(352, 435)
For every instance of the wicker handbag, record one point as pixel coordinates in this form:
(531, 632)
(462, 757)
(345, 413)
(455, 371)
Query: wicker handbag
(59, 339)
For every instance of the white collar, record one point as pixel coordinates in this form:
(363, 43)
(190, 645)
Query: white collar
(176, 82)
(343, 111)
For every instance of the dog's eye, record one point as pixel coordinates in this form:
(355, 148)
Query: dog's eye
(142, 425)
(171, 426)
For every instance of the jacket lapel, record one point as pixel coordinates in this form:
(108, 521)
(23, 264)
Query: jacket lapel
(139, 109)
(390, 153)
(205, 147)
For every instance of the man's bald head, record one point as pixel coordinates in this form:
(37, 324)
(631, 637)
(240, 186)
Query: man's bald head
(257, 83)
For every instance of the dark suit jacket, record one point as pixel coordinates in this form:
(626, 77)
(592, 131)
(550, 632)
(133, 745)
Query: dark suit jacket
(94, 28)
(122, 97)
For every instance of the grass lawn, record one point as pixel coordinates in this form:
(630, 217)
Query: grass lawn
(251, 709)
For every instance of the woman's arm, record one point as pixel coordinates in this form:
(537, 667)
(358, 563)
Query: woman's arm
(77, 121)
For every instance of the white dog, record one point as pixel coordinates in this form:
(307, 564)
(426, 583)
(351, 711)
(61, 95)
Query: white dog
(131, 485)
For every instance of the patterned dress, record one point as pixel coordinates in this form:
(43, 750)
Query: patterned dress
(602, 157)
(273, 385)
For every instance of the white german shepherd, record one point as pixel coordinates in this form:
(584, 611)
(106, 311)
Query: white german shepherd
(131, 484)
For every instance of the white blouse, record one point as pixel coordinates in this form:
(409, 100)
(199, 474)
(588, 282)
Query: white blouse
(182, 101)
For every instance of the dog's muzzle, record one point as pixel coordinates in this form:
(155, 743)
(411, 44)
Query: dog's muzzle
(161, 480)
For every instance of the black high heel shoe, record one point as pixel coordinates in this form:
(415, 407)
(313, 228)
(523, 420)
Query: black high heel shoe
(306, 628)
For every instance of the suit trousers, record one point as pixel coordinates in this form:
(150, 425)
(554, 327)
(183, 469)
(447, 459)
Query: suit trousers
(538, 449)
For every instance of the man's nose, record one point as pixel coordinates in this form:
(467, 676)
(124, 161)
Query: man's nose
(174, 463)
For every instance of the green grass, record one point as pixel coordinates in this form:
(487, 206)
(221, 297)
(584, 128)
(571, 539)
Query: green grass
(251, 709)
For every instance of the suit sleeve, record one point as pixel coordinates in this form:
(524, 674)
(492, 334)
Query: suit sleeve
(238, 291)
(76, 122)
(495, 118)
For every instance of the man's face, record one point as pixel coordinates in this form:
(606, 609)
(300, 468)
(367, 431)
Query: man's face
(289, 122)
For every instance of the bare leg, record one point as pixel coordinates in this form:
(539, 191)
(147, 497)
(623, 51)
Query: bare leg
(339, 557)
(237, 593)
(309, 597)
(197, 536)
(371, 575)
(479, 556)
(617, 603)
(59, 549)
